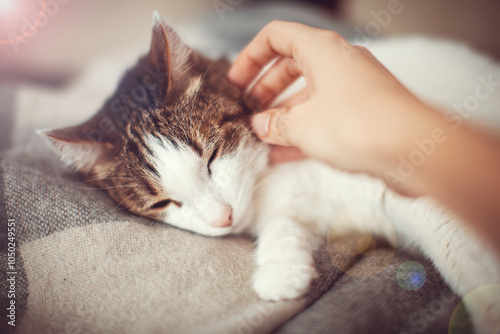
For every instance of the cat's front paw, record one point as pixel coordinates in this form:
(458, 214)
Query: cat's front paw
(283, 280)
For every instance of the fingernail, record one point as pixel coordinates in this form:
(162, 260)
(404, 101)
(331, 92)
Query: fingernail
(260, 124)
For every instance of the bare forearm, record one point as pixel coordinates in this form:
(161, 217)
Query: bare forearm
(462, 170)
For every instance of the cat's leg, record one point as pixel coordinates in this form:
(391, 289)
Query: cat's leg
(284, 259)
(296, 203)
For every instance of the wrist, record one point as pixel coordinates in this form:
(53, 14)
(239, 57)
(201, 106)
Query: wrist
(405, 150)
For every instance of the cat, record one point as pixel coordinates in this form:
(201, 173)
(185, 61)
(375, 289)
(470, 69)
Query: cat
(174, 144)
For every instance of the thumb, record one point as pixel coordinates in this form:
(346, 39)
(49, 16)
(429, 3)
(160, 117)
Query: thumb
(273, 126)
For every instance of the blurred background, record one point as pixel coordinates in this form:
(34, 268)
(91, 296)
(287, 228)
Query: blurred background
(51, 41)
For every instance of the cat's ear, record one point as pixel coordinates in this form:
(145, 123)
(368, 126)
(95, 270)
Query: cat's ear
(82, 147)
(168, 54)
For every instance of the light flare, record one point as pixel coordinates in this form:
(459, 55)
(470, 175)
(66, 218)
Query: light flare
(6, 6)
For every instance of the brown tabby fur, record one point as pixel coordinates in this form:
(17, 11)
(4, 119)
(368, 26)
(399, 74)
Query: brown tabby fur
(154, 98)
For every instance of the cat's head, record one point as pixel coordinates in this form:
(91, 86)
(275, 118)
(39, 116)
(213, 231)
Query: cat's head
(173, 143)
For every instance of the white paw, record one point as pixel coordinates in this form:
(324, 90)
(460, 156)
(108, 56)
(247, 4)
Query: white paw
(283, 280)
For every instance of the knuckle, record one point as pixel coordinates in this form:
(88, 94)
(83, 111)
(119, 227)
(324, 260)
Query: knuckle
(361, 48)
(291, 69)
(329, 36)
(318, 39)
(278, 126)
(274, 24)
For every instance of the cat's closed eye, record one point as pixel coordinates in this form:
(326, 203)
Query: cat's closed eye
(164, 203)
(161, 204)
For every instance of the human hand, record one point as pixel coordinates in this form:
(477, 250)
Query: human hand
(354, 114)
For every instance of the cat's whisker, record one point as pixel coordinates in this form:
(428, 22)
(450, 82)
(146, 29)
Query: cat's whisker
(194, 99)
(206, 110)
(257, 184)
(117, 205)
(256, 154)
(252, 161)
(110, 178)
(192, 108)
(120, 186)
(89, 186)
(186, 134)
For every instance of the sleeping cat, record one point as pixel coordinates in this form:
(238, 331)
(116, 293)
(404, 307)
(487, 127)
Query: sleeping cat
(174, 144)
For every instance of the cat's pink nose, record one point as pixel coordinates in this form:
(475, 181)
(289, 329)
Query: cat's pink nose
(225, 219)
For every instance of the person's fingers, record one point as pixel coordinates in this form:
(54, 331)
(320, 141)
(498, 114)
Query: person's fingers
(280, 76)
(295, 100)
(246, 67)
(316, 52)
(275, 126)
(281, 154)
(278, 38)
